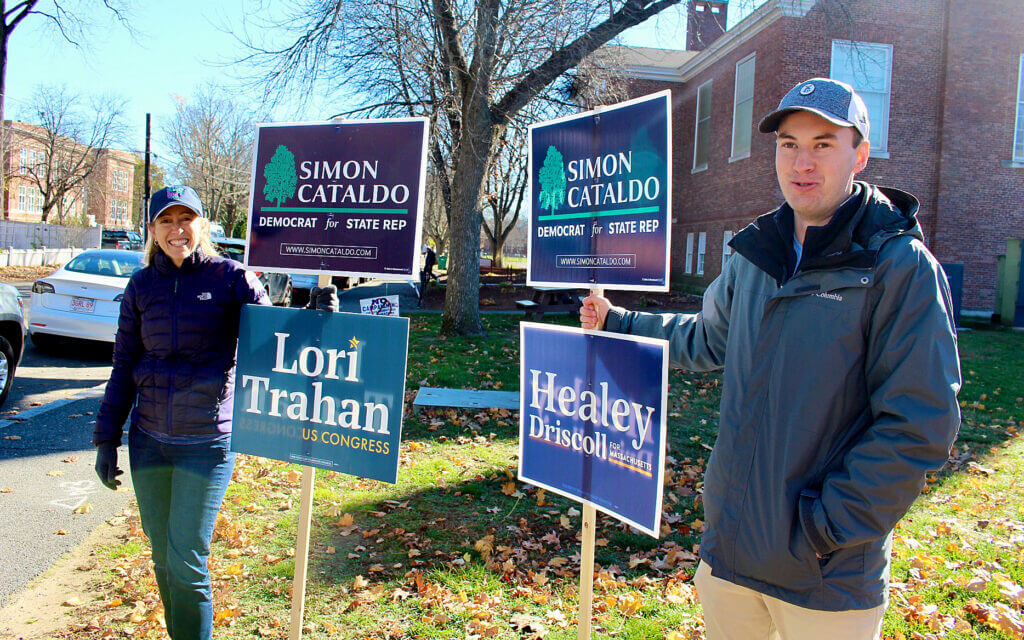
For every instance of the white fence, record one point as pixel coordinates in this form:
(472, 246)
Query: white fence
(37, 243)
(36, 235)
(36, 257)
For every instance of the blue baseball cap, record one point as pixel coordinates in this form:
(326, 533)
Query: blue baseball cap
(170, 196)
(831, 99)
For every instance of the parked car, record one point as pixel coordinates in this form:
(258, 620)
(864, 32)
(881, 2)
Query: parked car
(12, 337)
(128, 239)
(82, 299)
(278, 285)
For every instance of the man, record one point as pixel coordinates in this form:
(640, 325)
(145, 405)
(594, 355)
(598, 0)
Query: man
(834, 326)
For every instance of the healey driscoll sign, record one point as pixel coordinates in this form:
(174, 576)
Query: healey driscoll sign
(592, 429)
(340, 197)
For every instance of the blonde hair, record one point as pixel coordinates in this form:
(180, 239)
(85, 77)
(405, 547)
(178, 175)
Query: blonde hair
(204, 242)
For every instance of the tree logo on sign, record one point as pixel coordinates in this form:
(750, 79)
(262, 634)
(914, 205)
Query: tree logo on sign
(280, 176)
(552, 180)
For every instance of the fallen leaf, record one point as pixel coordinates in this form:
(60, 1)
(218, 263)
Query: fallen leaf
(83, 508)
(55, 472)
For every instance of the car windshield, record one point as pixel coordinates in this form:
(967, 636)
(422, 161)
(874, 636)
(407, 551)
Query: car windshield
(119, 264)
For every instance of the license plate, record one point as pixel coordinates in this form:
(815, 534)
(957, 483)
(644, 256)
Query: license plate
(83, 305)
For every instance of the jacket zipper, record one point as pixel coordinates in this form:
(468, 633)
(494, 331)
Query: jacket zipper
(174, 354)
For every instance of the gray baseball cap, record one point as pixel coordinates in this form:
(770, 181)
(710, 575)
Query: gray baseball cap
(831, 99)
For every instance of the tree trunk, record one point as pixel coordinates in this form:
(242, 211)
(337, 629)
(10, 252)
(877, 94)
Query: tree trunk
(462, 295)
(498, 251)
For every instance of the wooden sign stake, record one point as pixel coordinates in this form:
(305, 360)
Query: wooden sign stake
(302, 541)
(587, 571)
(302, 553)
(587, 556)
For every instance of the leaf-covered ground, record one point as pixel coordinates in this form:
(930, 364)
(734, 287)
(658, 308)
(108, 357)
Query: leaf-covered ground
(460, 549)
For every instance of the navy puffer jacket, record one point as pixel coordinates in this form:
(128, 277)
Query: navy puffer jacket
(174, 354)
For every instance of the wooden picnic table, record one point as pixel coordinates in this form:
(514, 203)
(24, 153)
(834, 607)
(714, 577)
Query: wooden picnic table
(549, 300)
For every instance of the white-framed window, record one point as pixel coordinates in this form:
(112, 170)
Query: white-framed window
(22, 199)
(688, 265)
(1018, 133)
(119, 180)
(702, 243)
(726, 249)
(702, 127)
(743, 109)
(867, 67)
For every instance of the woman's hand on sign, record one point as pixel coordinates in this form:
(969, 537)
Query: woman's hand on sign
(594, 311)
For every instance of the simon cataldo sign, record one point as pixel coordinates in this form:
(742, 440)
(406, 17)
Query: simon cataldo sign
(601, 188)
(338, 197)
(592, 429)
(321, 389)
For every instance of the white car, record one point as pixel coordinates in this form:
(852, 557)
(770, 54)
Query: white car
(82, 299)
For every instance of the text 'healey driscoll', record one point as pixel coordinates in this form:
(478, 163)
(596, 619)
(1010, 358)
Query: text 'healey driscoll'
(615, 415)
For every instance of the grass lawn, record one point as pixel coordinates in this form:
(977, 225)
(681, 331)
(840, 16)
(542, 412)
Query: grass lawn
(459, 549)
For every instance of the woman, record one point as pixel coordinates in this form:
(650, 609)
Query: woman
(173, 379)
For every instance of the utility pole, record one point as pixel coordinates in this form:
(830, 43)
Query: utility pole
(145, 187)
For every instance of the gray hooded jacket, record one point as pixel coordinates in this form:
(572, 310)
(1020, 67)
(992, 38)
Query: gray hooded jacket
(839, 395)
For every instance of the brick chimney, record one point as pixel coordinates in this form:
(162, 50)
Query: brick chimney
(706, 21)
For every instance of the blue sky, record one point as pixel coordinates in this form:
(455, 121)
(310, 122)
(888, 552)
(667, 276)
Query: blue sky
(176, 49)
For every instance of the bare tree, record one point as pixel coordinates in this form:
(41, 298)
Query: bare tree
(504, 191)
(74, 134)
(212, 138)
(435, 214)
(65, 16)
(470, 65)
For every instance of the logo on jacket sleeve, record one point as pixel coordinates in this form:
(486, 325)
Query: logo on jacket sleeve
(206, 295)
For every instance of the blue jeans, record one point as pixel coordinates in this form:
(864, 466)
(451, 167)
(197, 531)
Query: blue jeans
(179, 489)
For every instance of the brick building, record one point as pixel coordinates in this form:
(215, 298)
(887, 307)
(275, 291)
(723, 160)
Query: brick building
(944, 84)
(105, 199)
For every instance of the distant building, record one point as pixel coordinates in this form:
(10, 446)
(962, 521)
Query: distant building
(944, 84)
(106, 195)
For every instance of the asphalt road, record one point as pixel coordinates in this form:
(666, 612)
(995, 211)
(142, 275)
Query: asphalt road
(50, 499)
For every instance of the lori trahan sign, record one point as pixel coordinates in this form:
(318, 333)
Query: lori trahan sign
(593, 419)
(338, 197)
(321, 389)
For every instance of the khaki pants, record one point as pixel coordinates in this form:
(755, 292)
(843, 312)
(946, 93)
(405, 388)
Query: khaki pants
(732, 612)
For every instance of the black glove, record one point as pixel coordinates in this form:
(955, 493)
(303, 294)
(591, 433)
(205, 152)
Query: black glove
(106, 465)
(323, 298)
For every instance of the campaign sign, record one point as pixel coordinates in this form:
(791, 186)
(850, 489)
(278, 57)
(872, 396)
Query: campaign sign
(321, 389)
(592, 428)
(379, 306)
(600, 195)
(340, 197)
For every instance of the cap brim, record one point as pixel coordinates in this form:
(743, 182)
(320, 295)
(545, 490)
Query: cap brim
(770, 122)
(173, 204)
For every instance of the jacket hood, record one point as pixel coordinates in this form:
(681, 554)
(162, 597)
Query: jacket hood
(872, 216)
